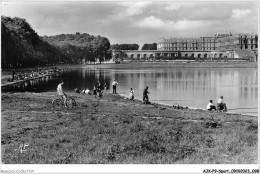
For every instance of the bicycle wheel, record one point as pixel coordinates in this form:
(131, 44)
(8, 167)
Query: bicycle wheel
(57, 103)
(71, 102)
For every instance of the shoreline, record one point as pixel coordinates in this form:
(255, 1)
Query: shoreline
(22, 81)
(176, 64)
(5, 83)
(124, 96)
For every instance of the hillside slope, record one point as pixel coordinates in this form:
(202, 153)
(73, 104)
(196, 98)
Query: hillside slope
(22, 46)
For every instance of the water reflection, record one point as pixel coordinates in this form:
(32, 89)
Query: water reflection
(192, 87)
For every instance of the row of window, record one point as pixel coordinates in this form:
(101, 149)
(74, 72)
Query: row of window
(206, 48)
(208, 42)
(184, 40)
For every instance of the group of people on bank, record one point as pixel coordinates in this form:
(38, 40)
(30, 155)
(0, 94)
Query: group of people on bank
(97, 90)
(221, 105)
(31, 73)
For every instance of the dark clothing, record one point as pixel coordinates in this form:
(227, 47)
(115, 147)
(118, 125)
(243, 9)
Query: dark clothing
(145, 98)
(94, 91)
(99, 90)
(77, 91)
(221, 107)
(13, 73)
(114, 89)
(145, 91)
(212, 107)
(145, 95)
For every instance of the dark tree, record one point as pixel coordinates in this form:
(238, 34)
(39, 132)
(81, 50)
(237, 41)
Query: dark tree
(22, 47)
(125, 47)
(150, 46)
(81, 46)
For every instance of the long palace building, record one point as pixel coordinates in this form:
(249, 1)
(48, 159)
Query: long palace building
(221, 45)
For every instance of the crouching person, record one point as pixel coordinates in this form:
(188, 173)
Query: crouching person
(221, 106)
(210, 106)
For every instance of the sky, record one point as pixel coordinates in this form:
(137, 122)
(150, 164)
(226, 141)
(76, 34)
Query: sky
(136, 21)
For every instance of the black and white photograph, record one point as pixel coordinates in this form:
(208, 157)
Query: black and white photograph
(129, 86)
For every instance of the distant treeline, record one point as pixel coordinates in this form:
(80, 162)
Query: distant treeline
(23, 47)
(146, 46)
(81, 46)
(150, 46)
(125, 47)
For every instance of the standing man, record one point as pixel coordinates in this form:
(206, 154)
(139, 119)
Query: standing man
(13, 73)
(99, 89)
(145, 95)
(114, 83)
(61, 93)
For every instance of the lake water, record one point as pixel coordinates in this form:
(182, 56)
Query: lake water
(192, 87)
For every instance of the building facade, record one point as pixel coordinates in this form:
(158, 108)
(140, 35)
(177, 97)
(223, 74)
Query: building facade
(220, 45)
(201, 43)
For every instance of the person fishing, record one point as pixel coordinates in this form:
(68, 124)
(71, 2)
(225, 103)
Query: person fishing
(114, 84)
(131, 94)
(99, 90)
(145, 96)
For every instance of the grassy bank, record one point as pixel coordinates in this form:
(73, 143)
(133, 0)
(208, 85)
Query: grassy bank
(115, 130)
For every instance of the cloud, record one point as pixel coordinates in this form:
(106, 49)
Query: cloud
(173, 7)
(131, 22)
(133, 8)
(177, 5)
(124, 11)
(152, 22)
(237, 13)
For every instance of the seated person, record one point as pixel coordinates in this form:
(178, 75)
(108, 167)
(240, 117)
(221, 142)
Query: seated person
(83, 91)
(61, 93)
(221, 106)
(87, 91)
(210, 106)
(77, 90)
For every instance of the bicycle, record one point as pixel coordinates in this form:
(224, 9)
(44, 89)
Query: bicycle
(58, 103)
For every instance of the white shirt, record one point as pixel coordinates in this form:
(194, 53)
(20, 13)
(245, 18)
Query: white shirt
(59, 89)
(209, 104)
(220, 100)
(114, 83)
(87, 91)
